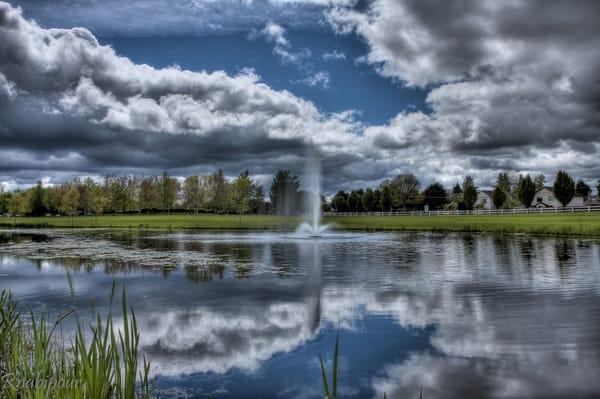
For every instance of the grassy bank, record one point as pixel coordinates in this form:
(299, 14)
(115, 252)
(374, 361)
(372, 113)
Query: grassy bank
(582, 224)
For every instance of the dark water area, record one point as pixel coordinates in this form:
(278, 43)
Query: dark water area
(245, 315)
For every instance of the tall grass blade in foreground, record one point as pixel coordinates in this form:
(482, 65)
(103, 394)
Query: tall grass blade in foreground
(333, 394)
(35, 363)
(334, 377)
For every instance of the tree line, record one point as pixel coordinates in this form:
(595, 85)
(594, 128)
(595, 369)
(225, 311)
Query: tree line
(403, 192)
(128, 194)
(217, 194)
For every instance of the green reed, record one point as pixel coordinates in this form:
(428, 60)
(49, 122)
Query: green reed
(333, 393)
(36, 363)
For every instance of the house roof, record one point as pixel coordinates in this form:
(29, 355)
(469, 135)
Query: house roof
(551, 189)
(487, 192)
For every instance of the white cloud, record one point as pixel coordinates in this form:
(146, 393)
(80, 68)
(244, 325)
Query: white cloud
(318, 79)
(334, 55)
(505, 98)
(509, 81)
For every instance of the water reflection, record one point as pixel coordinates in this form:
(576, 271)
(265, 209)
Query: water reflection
(464, 316)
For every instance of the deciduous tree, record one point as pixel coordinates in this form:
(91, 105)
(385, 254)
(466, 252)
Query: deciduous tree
(339, 201)
(17, 204)
(242, 188)
(70, 202)
(169, 187)
(403, 189)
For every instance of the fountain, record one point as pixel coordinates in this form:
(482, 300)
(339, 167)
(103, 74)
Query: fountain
(313, 227)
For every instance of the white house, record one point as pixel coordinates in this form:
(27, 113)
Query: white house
(545, 198)
(484, 200)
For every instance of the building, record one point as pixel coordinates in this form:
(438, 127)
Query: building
(545, 198)
(484, 200)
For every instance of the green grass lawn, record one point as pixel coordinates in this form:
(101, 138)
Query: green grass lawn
(561, 224)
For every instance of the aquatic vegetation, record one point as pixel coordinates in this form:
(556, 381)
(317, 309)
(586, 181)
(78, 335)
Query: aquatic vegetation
(37, 363)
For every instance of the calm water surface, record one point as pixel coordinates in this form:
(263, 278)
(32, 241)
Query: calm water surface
(245, 315)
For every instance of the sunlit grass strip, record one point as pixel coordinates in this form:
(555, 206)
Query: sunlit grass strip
(35, 363)
(577, 224)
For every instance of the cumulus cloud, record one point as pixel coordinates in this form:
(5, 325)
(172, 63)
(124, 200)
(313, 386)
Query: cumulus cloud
(510, 85)
(519, 75)
(87, 106)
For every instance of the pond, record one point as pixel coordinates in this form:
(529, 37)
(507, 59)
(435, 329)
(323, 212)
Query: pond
(246, 315)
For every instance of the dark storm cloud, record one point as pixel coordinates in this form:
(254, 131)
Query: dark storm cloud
(520, 75)
(86, 109)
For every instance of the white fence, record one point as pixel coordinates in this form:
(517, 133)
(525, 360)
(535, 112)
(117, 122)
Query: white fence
(513, 211)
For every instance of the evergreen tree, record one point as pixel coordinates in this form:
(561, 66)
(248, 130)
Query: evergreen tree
(539, 181)
(564, 187)
(386, 199)
(582, 189)
(526, 190)
(469, 192)
(435, 196)
(498, 197)
(368, 200)
(355, 201)
(36, 200)
(376, 200)
(284, 193)
(504, 183)
(457, 189)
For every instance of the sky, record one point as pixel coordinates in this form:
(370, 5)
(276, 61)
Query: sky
(438, 89)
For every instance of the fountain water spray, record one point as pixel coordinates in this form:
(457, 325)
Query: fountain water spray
(313, 175)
